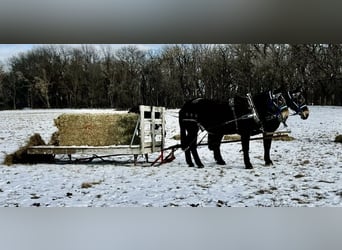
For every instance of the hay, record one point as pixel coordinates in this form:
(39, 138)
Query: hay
(21, 156)
(90, 184)
(233, 137)
(284, 137)
(176, 137)
(54, 141)
(338, 138)
(95, 129)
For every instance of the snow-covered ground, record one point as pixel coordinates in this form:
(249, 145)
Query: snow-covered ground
(306, 172)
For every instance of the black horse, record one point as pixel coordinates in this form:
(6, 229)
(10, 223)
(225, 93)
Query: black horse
(245, 116)
(296, 101)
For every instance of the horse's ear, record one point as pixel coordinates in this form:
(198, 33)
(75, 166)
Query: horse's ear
(298, 89)
(280, 89)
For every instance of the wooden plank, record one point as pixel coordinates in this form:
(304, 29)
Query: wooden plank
(69, 150)
(152, 129)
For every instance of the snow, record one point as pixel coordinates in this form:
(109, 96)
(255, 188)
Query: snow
(306, 172)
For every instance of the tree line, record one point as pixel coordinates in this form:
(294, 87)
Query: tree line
(59, 76)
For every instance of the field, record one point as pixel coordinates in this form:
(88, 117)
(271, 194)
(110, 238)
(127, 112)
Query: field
(307, 171)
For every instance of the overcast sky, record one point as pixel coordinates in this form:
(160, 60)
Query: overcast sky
(9, 50)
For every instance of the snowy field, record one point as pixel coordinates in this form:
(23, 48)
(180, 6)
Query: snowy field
(306, 172)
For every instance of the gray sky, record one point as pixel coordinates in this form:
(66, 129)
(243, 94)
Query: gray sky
(9, 50)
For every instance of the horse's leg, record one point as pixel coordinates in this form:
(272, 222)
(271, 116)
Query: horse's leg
(188, 157)
(245, 137)
(191, 141)
(194, 152)
(214, 143)
(186, 139)
(267, 147)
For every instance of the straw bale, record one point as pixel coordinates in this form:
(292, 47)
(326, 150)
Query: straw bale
(95, 129)
(21, 156)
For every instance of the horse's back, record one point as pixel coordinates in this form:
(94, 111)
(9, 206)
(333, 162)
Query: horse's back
(205, 109)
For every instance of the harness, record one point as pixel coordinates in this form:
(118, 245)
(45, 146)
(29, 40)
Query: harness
(254, 112)
(253, 115)
(276, 101)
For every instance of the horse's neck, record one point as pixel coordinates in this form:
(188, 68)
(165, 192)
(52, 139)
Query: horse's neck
(260, 102)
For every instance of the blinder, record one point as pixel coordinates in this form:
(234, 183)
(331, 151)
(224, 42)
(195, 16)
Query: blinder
(279, 101)
(278, 105)
(298, 101)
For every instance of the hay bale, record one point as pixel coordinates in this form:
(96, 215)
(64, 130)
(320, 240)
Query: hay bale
(21, 156)
(95, 129)
(338, 138)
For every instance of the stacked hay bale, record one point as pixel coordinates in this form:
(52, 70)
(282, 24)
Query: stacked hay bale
(95, 129)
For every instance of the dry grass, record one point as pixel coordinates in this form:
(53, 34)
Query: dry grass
(176, 137)
(90, 184)
(95, 129)
(284, 137)
(54, 139)
(21, 156)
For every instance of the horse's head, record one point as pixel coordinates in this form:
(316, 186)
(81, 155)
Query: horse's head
(297, 102)
(277, 106)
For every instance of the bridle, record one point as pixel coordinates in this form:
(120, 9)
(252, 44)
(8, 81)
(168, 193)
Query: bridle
(298, 102)
(277, 103)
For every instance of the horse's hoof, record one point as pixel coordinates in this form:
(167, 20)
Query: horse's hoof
(200, 166)
(191, 165)
(221, 162)
(249, 167)
(269, 163)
